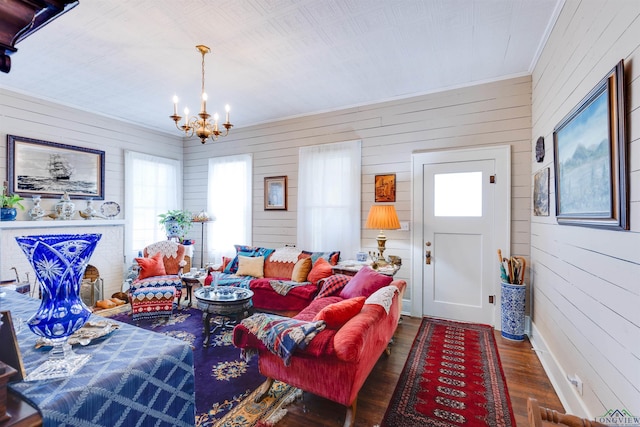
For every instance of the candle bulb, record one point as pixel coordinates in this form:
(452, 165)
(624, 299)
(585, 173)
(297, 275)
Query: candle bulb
(215, 121)
(175, 105)
(186, 116)
(227, 108)
(204, 102)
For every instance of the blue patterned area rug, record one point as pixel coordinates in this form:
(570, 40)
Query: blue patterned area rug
(222, 378)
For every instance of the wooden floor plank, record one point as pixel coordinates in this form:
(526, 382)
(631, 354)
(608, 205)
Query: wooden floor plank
(523, 371)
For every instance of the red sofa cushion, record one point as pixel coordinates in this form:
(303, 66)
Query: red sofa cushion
(321, 269)
(265, 298)
(337, 314)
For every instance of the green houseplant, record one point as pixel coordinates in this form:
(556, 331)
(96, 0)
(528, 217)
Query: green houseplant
(177, 223)
(8, 204)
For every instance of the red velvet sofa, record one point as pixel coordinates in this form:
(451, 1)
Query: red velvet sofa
(260, 280)
(336, 362)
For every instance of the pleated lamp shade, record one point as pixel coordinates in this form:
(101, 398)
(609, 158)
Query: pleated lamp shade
(383, 217)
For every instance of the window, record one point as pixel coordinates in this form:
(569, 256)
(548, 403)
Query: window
(457, 194)
(329, 198)
(153, 185)
(230, 203)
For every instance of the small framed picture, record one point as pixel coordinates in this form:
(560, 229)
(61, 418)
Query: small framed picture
(275, 193)
(541, 193)
(385, 188)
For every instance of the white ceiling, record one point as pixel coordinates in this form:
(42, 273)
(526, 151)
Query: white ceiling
(272, 59)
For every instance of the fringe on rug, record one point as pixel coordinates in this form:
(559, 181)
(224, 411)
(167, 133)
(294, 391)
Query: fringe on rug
(279, 413)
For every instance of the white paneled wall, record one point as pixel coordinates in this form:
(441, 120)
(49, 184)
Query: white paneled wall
(495, 113)
(586, 282)
(25, 116)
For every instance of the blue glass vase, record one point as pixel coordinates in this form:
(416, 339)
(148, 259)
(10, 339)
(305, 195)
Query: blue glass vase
(59, 261)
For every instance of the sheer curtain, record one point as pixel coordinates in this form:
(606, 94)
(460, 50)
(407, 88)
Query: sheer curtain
(230, 202)
(329, 198)
(153, 185)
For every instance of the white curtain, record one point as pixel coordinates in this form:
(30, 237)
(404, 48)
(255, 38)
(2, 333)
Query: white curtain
(153, 185)
(230, 202)
(329, 191)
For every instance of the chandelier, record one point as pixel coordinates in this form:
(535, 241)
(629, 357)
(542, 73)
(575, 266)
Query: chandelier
(200, 124)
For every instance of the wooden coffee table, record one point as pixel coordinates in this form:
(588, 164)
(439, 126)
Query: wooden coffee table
(228, 301)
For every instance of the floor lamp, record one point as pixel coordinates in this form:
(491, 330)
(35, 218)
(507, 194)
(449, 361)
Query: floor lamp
(382, 217)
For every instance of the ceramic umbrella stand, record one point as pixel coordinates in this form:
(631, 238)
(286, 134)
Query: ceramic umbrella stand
(512, 305)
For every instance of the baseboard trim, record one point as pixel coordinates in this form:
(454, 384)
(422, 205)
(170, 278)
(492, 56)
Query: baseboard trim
(569, 397)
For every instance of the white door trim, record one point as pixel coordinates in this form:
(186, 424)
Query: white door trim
(502, 156)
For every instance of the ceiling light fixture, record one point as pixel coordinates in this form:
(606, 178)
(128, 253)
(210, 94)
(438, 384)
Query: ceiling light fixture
(200, 124)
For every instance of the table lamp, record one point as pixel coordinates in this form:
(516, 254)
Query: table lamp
(382, 217)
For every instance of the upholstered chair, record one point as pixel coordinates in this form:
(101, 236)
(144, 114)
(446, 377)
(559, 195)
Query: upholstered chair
(153, 293)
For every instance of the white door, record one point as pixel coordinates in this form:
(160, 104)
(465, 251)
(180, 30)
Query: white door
(462, 218)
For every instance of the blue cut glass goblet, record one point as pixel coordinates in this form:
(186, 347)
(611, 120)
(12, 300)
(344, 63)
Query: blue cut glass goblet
(59, 261)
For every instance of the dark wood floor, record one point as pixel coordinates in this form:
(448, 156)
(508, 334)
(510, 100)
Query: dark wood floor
(524, 373)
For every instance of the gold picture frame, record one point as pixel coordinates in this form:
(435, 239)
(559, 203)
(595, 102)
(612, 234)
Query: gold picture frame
(275, 193)
(385, 188)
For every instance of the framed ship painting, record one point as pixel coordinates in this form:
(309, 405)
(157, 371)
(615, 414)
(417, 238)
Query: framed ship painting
(50, 169)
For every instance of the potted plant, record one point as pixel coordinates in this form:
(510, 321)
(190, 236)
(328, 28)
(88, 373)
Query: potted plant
(8, 205)
(177, 223)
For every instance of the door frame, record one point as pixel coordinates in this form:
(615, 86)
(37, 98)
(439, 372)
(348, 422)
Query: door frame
(501, 154)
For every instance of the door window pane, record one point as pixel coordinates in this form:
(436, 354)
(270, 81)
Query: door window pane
(457, 194)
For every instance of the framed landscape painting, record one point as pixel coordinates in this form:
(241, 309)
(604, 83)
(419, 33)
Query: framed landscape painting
(50, 169)
(590, 158)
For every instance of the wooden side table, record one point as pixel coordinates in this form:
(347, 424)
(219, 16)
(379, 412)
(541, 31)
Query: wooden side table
(190, 279)
(352, 269)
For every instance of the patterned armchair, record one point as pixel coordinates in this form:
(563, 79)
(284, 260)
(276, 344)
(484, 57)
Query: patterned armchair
(154, 291)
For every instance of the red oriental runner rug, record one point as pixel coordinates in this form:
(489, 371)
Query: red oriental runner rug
(452, 377)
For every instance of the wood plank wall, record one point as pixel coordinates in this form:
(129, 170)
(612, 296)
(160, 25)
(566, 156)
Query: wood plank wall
(30, 117)
(585, 281)
(494, 113)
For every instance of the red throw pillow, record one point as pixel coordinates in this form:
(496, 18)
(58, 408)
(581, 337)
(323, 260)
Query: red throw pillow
(321, 269)
(364, 283)
(337, 314)
(151, 267)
